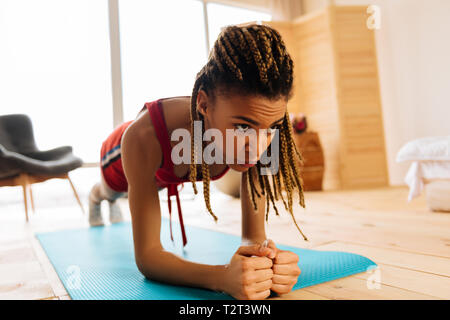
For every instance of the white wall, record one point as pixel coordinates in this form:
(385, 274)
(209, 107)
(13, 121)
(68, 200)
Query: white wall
(413, 47)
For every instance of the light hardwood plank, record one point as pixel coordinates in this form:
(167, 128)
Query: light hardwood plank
(418, 262)
(431, 284)
(24, 281)
(50, 272)
(352, 288)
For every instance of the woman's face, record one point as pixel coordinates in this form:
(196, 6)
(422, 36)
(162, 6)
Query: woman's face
(252, 121)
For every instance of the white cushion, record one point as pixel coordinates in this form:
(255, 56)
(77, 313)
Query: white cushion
(438, 195)
(430, 148)
(421, 171)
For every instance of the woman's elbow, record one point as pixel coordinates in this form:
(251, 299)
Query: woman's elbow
(146, 263)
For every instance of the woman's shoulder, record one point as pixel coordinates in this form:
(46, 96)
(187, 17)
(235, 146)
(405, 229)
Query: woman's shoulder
(140, 146)
(141, 128)
(140, 139)
(176, 112)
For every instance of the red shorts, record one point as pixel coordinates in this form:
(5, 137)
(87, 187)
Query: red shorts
(111, 160)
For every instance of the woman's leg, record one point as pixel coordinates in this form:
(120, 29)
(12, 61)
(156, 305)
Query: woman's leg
(99, 192)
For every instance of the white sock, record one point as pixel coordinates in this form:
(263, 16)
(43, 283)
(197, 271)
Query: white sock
(115, 213)
(95, 212)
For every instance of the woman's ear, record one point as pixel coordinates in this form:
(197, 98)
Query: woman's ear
(202, 103)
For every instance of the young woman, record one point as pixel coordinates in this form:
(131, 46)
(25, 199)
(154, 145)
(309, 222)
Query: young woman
(245, 84)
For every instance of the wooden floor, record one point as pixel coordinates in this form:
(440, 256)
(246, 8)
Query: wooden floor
(410, 244)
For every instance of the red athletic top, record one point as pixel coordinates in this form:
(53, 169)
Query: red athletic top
(111, 162)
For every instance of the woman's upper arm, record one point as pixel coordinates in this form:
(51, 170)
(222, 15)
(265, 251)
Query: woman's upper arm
(141, 156)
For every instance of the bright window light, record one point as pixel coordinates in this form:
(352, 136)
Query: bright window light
(162, 49)
(55, 67)
(222, 15)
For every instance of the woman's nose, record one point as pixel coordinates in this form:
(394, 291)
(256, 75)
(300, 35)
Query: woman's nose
(254, 152)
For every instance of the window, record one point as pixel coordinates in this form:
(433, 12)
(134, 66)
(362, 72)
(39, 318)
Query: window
(221, 15)
(162, 48)
(55, 67)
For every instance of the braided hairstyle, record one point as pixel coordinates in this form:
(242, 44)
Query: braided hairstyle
(252, 61)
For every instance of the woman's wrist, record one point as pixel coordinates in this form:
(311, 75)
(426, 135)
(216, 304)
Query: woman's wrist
(252, 241)
(218, 281)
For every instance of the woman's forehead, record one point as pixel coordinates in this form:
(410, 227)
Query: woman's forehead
(257, 108)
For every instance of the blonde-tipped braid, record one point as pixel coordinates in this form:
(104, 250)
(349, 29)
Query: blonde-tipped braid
(238, 54)
(193, 114)
(293, 162)
(251, 188)
(206, 179)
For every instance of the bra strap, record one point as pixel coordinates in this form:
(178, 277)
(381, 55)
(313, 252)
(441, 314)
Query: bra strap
(157, 117)
(173, 190)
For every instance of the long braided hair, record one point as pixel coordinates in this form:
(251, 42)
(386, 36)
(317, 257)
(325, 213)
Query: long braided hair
(252, 61)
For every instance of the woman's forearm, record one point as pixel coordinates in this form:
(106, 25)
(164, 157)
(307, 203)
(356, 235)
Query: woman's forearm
(165, 266)
(253, 227)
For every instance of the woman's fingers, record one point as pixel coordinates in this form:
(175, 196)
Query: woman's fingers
(268, 252)
(257, 263)
(263, 275)
(281, 288)
(284, 257)
(284, 279)
(261, 295)
(274, 248)
(252, 250)
(286, 269)
(286, 272)
(283, 283)
(262, 285)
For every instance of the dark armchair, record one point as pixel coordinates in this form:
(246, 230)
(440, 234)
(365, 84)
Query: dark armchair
(22, 164)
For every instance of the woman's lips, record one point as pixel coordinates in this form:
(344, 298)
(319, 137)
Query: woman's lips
(247, 165)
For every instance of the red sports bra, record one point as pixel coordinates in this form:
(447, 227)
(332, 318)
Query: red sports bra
(165, 176)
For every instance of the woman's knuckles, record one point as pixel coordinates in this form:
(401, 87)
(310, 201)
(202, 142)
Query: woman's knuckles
(286, 257)
(281, 269)
(264, 285)
(246, 279)
(285, 281)
(286, 269)
(281, 288)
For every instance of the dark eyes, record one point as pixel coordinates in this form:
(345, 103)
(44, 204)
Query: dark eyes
(275, 127)
(242, 127)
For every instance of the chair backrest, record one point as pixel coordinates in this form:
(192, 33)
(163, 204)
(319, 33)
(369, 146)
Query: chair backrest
(16, 133)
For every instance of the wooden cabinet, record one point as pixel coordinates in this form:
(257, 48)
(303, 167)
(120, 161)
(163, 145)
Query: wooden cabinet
(312, 170)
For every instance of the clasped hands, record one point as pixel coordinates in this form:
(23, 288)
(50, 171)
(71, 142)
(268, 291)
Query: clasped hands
(255, 271)
(285, 267)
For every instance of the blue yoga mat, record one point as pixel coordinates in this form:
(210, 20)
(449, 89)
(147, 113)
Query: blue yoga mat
(98, 263)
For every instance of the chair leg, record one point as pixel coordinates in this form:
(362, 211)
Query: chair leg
(31, 198)
(76, 194)
(25, 201)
